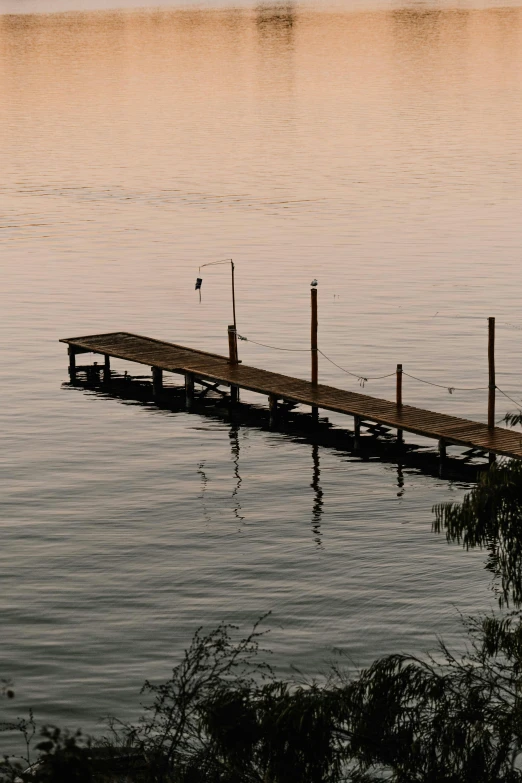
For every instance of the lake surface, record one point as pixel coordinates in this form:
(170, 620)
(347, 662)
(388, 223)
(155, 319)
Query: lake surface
(374, 148)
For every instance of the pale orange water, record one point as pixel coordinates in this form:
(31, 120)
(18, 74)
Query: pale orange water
(377, 149)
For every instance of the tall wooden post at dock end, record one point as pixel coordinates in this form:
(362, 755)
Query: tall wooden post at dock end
(313, 345)
(398, 398)
(491, 363)
(491, 381)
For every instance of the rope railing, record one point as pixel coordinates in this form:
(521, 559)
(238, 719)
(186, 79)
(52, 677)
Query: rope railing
(365, 378)
(450, 389)
(518, 404)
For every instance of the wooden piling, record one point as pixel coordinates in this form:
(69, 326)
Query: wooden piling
(492, 380)
(356, 432)
(491, 363)
(157, 381)
(189, 390)
(233, 358)
(72, 363)
(107, 369)
(442, 449)
(313, 346)
(398, 398)
(273, 408)
(232, 344)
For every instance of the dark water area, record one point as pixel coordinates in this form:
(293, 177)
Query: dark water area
(376, 149)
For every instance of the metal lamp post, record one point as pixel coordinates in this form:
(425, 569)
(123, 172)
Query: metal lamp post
(232, 329)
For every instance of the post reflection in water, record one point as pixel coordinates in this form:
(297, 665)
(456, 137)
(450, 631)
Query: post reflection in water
(400, 480)
(233, 434)
(204, 482)
(317, 509)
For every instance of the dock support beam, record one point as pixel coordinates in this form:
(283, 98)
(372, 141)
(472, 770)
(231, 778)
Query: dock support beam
(233, 359)
(157, 381)
(72, 364)
(107, 369)
(232, 344)
(356, 432)
(272, 406)
(189, 390)
(398, 398)
(442, 449)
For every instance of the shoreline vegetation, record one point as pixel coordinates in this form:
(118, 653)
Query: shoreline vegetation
(225, 717)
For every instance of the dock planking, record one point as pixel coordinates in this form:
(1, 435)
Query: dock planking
(197, 364)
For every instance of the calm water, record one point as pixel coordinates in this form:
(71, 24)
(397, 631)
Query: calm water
(377, 149)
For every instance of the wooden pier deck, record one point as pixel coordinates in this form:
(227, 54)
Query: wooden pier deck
(194, 365)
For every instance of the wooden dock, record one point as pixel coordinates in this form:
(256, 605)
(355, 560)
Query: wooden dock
(207, 367)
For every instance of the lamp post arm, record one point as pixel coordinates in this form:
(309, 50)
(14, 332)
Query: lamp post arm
(232, 266)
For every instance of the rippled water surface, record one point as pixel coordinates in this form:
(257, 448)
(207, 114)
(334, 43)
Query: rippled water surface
(377, 149)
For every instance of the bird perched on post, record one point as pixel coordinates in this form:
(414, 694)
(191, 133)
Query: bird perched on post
(313, 283)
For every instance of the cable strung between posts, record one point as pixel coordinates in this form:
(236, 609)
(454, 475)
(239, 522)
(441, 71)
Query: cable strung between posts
(451, 389)
(361, 378)
(364, 378)
(274, 347)
(507, 395)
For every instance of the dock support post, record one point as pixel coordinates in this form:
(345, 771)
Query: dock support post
(157, 381)
(442, 449)
(232, 344)
(72, 364)
(356, 432)
(313, 345)
(400, 437)
(272, 406)
(189, 390)
(492, 381)
(233, 359)
(107, 369)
